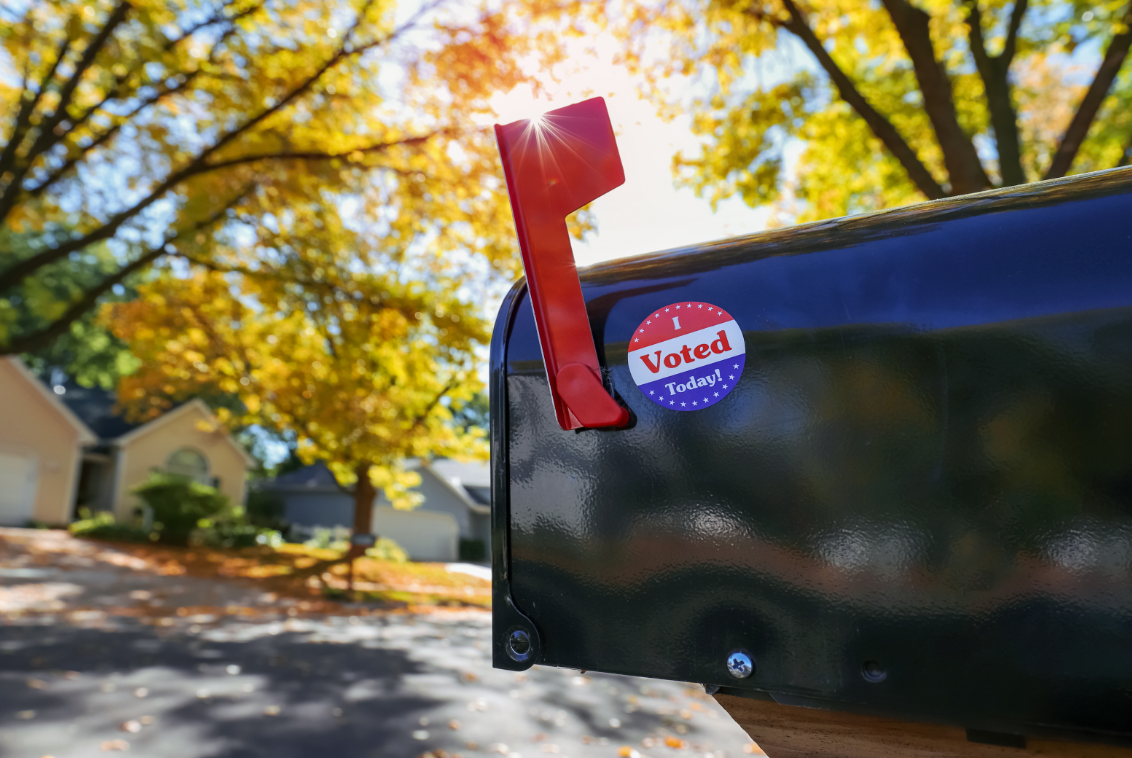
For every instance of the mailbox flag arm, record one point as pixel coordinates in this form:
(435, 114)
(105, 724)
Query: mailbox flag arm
(554, 165)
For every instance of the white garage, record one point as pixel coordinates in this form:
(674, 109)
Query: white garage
(18, 477)
(424, 535)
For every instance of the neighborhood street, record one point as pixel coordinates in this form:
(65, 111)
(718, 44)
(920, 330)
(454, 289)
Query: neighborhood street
(99, 654)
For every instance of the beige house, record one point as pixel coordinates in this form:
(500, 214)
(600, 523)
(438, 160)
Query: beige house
(41, 447)
(65, 447)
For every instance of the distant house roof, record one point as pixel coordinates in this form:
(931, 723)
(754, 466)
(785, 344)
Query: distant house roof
(472, 474)
(317, 476)
(95, 406)
(471, 482)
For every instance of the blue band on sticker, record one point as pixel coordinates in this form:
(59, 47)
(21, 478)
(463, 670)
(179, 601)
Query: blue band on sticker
(687, 356)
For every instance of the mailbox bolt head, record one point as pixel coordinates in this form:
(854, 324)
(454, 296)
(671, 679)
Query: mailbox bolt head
(739, 665)
(518, 645)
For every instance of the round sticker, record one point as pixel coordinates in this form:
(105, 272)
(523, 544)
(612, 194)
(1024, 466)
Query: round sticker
(687, 356)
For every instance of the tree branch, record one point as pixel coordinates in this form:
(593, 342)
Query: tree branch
(959, 155)
(31, 342)
(1091, 103)
(46, 137)
(116, 17)
(100, 140)
(320, 156)
(881, 127)
(17, 272)
(27, 107)
(994, 71)
(1010, 46)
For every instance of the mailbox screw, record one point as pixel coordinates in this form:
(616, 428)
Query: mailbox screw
(518, 645)
(739, 665)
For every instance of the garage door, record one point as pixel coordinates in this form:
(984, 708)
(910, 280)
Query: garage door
(424, 536)
(17, 489)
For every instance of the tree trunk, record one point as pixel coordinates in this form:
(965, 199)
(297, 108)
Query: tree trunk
(364, 494)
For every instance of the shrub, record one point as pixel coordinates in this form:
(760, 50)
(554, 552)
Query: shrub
(266, 509)
(386, 549)
(179, 504)
(472, 550)
(235, 534)
(102, 526)
(322, 537)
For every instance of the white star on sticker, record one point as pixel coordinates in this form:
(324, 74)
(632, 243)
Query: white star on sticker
(666, 310)
(735, 366)
(705, 399)
(701, 306)
(672, 402)
(717, 394)
(678, 307)
(647, 323)
(651, 392)
(725, 386)
(693, 402)
(730, 376)
(636, 339)
(682, 404)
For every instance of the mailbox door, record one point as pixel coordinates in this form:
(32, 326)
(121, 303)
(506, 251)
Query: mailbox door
(915, 501)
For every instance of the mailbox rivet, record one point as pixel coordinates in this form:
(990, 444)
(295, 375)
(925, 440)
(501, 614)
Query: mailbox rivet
(873, 672)
(519, 645)
(739, 665)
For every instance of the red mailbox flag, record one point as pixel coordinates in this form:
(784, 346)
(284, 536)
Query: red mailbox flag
(554, 165)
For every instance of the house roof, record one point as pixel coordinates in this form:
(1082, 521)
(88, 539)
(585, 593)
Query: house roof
(315, 476)
(470, 482)
(86, 436)
(473, 473)
(194, 405)
(96, 407)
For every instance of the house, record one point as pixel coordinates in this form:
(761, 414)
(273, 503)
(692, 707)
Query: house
(65, 447)
(456, 507)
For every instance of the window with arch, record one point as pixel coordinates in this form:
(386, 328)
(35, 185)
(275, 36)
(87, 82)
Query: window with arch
(189, 462)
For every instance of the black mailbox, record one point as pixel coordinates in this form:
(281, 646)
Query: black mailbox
(880, 465)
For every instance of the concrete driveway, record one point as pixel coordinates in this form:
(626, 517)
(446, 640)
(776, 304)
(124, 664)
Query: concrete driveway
(98, 654)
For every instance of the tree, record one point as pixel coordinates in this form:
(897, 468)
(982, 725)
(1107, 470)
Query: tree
(86, 351)
(894, 101)
(150, 128)
(362, 382)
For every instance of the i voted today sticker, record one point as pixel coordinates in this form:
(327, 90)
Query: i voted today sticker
(687, 356)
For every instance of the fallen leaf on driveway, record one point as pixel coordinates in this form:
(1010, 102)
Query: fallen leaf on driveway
(25, 715)
(453, 724)
(675, 742)
(271, 710)
(37, 684)
(131, 726)
(114, 745)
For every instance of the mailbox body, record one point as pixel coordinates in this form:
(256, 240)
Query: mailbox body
(915, 502)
